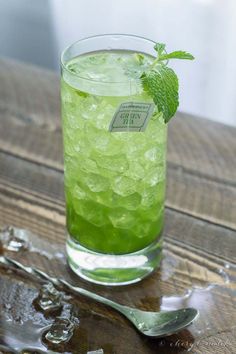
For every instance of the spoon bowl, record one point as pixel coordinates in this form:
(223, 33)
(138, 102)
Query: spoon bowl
(160, 324)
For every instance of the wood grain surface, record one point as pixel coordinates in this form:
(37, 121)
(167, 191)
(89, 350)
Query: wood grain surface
(199, 267)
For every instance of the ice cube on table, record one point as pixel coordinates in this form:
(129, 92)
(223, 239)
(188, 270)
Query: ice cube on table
(61, 331)
(14, 239)
(49, 299)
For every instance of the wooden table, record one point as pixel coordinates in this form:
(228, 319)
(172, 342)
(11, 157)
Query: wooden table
(200, 239)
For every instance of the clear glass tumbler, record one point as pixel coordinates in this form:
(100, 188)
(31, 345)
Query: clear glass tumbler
(114, 158)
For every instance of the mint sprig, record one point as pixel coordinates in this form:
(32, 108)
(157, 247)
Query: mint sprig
(161, 82)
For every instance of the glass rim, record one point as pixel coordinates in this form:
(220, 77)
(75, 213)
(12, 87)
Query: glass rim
(63, 62)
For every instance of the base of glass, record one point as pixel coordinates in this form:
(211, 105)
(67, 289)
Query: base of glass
(109, 269)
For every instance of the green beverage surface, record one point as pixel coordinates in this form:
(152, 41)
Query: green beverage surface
(110, 66)
(114, 181)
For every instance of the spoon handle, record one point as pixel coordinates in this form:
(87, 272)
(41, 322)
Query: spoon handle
(62, 283)
(93, 296)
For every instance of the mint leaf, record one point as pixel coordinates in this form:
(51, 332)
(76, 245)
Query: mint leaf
(176, 55)
(161, 82)
(162, 85)
(159, 48)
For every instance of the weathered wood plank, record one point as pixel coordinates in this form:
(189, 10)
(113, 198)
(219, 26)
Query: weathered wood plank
(201, 234)
(203, 147)
(204, 198)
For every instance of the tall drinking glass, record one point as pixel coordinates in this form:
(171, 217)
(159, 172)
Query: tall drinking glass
(114, 158)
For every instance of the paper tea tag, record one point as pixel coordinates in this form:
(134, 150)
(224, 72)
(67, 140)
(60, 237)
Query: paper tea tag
(131, 117)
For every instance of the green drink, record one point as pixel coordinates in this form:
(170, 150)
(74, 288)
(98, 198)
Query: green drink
(114, 174)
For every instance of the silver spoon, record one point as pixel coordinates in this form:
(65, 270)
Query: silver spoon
(151, 324)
